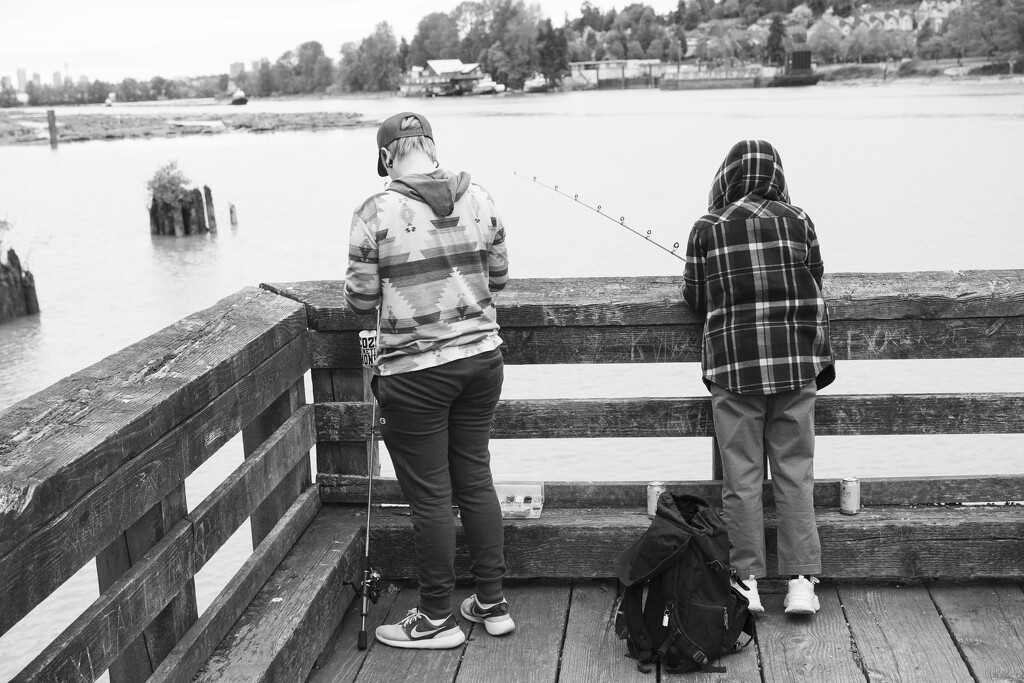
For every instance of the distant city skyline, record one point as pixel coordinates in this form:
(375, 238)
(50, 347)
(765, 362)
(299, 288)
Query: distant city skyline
(198, 38)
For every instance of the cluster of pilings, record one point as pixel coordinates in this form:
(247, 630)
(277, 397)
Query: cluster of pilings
(193, 215)
(17, 290)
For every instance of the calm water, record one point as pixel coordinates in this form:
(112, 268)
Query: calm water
(896, 177)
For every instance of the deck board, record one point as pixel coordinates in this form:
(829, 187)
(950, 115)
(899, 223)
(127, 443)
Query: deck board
(592, 652)
(987, 622)
(807, 649)
(342, 659)
(882, 617)
(565, 632)
(528, 655)
(385, 664)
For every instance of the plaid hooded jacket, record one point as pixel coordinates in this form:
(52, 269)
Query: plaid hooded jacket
(753, 269)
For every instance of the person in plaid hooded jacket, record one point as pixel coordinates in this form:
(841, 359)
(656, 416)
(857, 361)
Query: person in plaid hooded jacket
(754, 271)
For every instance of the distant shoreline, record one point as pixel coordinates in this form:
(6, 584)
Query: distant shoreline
(22, 127)
(19, 126)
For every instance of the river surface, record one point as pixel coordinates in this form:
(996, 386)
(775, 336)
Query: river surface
(897, 177)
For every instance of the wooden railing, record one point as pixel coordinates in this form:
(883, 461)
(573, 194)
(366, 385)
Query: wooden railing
(883, 316)
(94, 466)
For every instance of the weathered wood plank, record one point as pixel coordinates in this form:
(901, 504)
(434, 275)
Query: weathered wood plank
(626, 495)
(385, 664)
(144, 589)
(987, 623)
(529, 654)
(914, 339)
(933, 542)
(265, 517)
(806, 648)
(89, 646)
(246, 489)
(323, 392)
(989, 413)
(44, 560)
(851, 340)
(900, 636)
(199, 642)
(592, 653)
(286, 626)
(64, 440)
(342, 661)
(139, 659)
(656, 300)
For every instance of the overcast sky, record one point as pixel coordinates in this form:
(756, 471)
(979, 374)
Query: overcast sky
(115, 39)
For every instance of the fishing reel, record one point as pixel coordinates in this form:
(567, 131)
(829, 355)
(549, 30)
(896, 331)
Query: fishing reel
(371, 582)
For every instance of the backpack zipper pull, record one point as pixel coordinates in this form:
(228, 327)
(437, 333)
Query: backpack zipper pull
(664, 619)
(725, 617)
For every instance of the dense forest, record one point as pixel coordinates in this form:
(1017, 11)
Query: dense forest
(512, 42)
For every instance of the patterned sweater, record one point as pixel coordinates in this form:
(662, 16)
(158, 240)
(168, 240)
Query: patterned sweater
(754, 270)
(429, 251)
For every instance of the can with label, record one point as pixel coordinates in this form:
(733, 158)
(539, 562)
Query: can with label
(849, 495)
(368, 347)
(654, 491)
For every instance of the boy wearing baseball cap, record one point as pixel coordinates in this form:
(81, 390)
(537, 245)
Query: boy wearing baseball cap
(429, 253)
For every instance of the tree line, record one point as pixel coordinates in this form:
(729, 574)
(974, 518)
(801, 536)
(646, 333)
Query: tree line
(512, 42)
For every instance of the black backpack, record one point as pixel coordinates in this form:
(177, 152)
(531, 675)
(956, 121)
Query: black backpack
(677, 605)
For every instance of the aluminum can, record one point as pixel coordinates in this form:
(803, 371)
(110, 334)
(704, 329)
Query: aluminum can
(849, 496)
(654, 491)
(368, 347)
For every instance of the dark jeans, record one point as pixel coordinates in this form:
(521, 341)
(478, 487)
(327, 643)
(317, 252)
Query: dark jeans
(437, 425)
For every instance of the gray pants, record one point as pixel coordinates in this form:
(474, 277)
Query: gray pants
(781, 426)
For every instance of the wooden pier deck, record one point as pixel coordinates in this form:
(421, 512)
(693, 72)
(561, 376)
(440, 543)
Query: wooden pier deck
(937, 632)
(93, 469)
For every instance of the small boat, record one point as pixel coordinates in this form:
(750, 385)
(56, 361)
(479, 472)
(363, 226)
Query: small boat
(239, 97)
(536, 84)
(487, 86)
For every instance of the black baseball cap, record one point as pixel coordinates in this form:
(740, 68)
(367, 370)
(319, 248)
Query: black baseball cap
(391, 130)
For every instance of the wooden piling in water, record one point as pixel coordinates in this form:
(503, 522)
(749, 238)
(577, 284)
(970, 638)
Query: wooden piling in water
(187, 217)
(51, 120)
(211, 218)
(17, 290)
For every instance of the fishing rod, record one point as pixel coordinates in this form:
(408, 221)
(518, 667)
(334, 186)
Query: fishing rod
(370, 588)
(621, 221)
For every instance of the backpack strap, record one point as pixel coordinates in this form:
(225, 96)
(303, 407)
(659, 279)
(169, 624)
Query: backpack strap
(638, 640)
(690, 650)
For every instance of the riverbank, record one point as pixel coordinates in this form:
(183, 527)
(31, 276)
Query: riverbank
(28, 127)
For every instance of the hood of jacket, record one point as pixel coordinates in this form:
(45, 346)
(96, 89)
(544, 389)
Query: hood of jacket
(438, 189)
(752, 167)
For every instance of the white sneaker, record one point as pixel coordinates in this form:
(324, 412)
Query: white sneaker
(750, 593)
(415, 630)
(800, 599)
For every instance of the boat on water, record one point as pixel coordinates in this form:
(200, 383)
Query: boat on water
(797, 70)
(536, 84)
(487, 86)
(239, 97)
(713, 78)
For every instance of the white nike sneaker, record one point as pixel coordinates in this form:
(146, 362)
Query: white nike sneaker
(415, 630)
(800, 599)
(750, 593)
